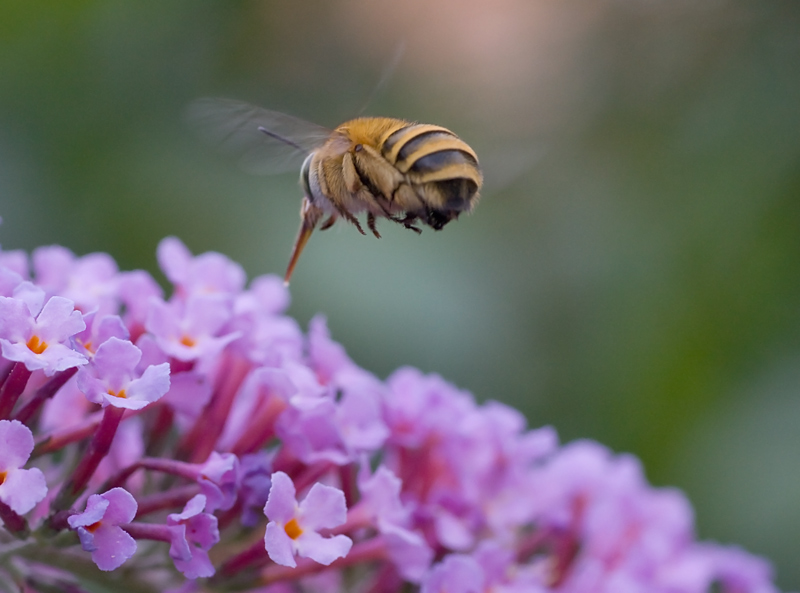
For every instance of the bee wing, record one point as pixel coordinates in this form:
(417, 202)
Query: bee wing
(264, 141)
(504, 167)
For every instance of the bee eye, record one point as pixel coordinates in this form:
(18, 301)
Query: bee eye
(358, 148)
(304, 181)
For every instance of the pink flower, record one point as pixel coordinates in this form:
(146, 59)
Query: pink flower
(193, 533)
(37, 336)
(111, 378)
(99, 528)
(293, 528)
(20, 488)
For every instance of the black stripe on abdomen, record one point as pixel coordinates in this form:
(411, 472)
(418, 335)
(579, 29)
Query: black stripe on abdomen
(441, 159)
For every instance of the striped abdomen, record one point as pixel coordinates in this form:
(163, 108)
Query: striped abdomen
(441, 168)
(396, 169)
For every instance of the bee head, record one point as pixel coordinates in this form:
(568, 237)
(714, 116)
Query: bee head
(304, 181)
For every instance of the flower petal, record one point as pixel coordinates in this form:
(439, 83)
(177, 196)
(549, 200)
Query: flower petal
(281, 503)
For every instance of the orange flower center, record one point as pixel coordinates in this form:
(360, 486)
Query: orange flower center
(36, 346)
(292, 529)
(3, 477)
(93, 527)
(120, 394)
(187, 341)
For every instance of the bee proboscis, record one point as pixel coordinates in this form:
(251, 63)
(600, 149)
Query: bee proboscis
(390, 168)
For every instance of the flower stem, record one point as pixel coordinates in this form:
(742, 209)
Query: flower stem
(12, 388)
(56, 440)
(44, 393)
(150, 531)
(261, 428)
(198, 444)
(13, 522)
(255, 555)
(176, 497)
(98, 449)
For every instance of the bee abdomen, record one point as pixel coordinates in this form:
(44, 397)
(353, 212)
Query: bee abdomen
(442, 167)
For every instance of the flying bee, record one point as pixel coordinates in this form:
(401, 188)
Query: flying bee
(406, 172)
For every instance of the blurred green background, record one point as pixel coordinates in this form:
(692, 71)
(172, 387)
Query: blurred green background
(631, 275)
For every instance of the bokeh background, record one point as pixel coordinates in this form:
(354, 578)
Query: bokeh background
(631, 275)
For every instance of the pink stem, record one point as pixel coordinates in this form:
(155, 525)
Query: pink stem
(200, 441)
(12, 388)
(59, 439)
(311, 474)
(262, 426)
(44, 393)
(12, 521)
(151, 531)
(98, 449)
(254, 556)
(177, 497)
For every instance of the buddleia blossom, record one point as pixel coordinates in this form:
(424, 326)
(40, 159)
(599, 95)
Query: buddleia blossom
(193, 532)
(111, 377)
(36, 333)
(294, 528)
(197, 439)
(98, 527)
(20, 488)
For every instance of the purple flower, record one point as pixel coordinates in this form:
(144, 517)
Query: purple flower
(193, 534)
(268, 338)
(36, 337)
(501, 507)
(737, 570)
(188, 394)
(219, 479)
(89, 281)
(502, 572)
(256, 482)
(327, 357)
(264, 388)
(15, 261)
(135, 291)
(189, 330)
(293, 529)
(98, 330)
(319, 427)
(701, 566)
(359, 414)
(21, 489)
(99, 528)
(380, 502)
(209, 273)
(455, 574)
(309, 430)
(9, 280)
(110, 378)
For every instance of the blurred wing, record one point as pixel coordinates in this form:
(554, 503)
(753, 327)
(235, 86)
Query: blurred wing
(264, 141)
(505, 166)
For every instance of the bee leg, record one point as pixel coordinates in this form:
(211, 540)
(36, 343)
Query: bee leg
(408, 223)
(405, 221)
(382, 203)
(328, 223)
(371, 225)
(350, 218)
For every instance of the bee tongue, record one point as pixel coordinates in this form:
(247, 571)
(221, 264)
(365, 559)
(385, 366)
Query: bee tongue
(309, 216)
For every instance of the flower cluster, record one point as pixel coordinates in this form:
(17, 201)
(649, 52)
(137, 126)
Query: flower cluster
(205, 442)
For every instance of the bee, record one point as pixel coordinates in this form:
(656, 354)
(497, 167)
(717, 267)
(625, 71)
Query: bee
(409, 173)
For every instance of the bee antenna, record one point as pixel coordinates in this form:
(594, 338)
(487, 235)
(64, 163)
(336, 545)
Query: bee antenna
(280, 138)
